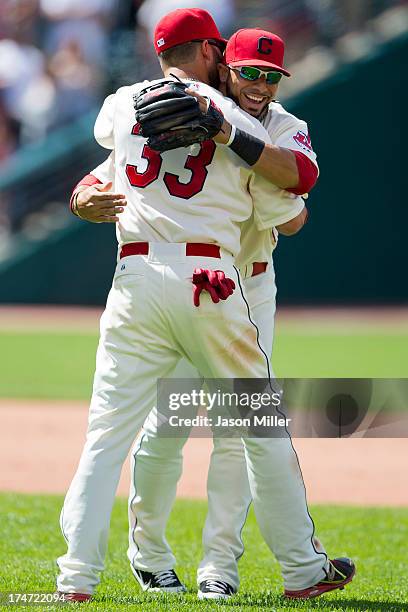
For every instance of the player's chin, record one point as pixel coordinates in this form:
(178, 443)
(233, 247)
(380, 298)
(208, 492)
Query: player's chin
(251, 107)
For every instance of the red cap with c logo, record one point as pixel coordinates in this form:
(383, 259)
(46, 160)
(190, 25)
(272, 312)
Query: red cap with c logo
(256, 47)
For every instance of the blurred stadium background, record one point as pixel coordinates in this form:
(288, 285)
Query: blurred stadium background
(59, 58)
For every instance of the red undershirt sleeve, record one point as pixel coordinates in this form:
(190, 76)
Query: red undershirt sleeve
(308, 174)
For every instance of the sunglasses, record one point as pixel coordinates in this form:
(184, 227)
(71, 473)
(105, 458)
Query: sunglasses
(211, 41)
(250, 73)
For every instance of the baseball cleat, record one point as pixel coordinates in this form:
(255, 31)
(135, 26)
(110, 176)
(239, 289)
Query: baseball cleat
(165, 581)
(75, 597)
(341, 572)
(215, 589)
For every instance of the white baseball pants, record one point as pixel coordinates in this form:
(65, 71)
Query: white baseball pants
(156, 466)
(150, 323)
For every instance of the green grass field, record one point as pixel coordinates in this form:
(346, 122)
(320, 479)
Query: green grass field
(58, 365)
(376, 538)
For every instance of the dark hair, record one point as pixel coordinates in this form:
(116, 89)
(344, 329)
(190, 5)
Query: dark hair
(180, 54)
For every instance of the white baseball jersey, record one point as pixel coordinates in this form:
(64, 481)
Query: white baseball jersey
(256, 245)
(285, 130)
(206, 201)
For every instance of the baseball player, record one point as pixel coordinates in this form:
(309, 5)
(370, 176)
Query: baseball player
(129, 328)
(157, 463)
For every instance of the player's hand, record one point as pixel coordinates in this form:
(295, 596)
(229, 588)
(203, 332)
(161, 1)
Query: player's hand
(223, 135)
(214, 282)
(98, 204)
(202, 101)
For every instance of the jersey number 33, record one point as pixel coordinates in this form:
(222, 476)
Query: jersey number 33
(197, 164)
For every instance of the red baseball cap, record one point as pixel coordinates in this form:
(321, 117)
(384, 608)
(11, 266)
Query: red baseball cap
(256, 47)
(183, 26)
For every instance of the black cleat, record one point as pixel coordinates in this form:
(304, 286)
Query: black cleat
(215, 589)
(165, 581)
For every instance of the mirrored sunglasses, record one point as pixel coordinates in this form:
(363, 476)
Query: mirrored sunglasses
(250, 73)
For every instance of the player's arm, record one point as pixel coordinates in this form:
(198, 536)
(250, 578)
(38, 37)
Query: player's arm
(93, 199)
(283, 166)
(274, 209)
(292, 227)
(286, 168)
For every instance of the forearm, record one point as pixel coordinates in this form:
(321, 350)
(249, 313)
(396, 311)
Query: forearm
(278, 166)
(287, 169)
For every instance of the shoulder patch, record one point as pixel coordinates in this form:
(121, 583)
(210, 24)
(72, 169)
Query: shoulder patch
(303, 140)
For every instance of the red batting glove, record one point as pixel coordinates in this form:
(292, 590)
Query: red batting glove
(215, 282)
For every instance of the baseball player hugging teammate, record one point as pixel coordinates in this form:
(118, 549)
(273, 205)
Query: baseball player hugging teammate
(201, 178)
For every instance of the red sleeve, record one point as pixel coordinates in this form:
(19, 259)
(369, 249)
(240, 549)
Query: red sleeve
(87, 180)
(308, 174)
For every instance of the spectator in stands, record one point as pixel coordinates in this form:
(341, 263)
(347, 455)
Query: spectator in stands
(8, 136)
(77, 83)
(39, 92)
(19, 19)
(26, 90)
(84, 22)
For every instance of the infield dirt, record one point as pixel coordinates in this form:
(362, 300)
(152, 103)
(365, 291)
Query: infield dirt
(41, 441)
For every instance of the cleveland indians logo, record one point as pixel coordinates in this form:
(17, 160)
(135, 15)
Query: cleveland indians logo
(265, 45)
(303, 140)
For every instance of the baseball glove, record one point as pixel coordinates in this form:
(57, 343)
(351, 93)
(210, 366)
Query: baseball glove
(170, 118)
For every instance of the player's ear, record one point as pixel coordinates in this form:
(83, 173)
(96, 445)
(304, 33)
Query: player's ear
(205, 50)
(223, 71)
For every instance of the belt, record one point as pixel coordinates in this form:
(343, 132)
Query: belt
(259, 267)
(193, 249)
